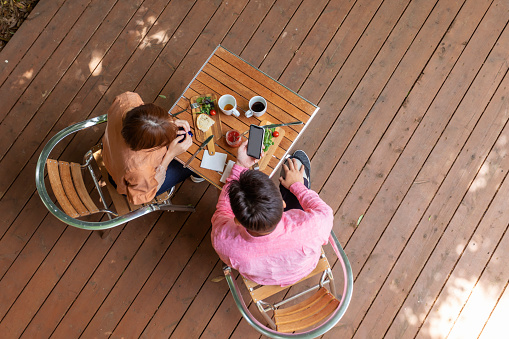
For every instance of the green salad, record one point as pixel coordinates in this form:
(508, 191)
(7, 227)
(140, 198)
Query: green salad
(267, 139)
(206, 104)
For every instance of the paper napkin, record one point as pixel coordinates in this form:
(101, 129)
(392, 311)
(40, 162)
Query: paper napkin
(214, 162)
(227, 171)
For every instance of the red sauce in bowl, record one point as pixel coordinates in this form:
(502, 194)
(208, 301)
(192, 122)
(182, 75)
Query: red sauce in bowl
(233, 138)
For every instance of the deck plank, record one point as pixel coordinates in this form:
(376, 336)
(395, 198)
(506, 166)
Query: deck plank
(19, 44)
(268, 31)
(73, 281)
(306, 57)
(22, 102)
(104, 278)
(421, 203)
(477, 306)
(292, 36)
(381, 92)
(49, 80)
(408, 148)
(460, 227)
(183, 236)
(496, 322)
(187, 46)
(49, 43)
(412, 108)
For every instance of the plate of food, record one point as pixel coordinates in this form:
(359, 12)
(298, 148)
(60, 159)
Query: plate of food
(206, 119)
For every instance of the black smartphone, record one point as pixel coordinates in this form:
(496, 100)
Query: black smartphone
(183, 135)
(255, 142)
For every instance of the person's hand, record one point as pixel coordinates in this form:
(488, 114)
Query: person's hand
(292, 174)
(175, 148)
(243, 159)
(182, 123)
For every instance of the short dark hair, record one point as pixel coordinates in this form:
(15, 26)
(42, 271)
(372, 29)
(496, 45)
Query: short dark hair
(256, 201)
(148, 126)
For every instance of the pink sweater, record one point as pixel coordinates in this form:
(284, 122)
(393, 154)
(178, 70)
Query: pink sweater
(282, 257)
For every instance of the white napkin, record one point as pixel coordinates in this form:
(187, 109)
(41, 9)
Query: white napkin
(214, 162)
(227, 171)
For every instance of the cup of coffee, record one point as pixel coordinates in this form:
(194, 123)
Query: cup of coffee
(228, 105)
(257, 107)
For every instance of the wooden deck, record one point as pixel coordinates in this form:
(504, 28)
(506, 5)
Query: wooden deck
(410, 148)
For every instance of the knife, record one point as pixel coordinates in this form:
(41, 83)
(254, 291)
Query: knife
(175, 114)
(286, 124)
(202, 146)
(276, 125)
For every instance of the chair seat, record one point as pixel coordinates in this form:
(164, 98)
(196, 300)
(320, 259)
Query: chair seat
(306, 313)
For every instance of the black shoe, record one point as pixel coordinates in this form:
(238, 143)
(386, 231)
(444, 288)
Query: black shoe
(196, 179)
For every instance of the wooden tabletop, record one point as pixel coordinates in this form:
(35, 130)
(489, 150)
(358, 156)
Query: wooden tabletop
(226, 73)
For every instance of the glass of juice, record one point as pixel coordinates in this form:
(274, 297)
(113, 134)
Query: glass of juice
(233, 138)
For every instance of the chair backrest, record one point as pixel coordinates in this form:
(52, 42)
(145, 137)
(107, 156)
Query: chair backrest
(308, 312)
(262, 292)
(323, 309)
(69, 189)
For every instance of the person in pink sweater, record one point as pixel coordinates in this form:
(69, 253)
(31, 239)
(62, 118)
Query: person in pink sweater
(271, 236)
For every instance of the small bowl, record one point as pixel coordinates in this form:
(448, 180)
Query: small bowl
(233, 138)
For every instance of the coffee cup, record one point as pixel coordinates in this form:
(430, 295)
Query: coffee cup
(257, 107)
(228, 105)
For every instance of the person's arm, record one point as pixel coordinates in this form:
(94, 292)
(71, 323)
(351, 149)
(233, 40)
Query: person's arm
(223, 216)
(223, 208)
(174, 149)
(179, 145)
(308, 199)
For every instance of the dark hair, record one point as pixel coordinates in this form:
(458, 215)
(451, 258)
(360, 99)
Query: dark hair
(256, 201)
(148, 126)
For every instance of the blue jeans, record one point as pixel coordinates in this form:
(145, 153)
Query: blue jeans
(175, 173)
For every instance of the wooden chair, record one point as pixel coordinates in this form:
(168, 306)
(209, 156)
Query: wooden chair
(319, 312)
(66, 180)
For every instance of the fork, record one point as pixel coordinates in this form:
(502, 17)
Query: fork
(193, 106)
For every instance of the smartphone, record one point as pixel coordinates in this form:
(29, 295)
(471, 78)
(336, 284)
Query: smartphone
(255, 142)
(184, 136)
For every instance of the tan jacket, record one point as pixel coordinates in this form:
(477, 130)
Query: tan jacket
(133, 172)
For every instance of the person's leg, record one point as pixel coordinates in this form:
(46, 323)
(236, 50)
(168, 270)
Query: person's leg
(290, 199)
(175, 173)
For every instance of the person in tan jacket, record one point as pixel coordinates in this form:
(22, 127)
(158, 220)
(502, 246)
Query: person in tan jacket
(139, 147)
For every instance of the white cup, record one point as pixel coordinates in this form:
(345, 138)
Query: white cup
(257, 107)
(228, 105)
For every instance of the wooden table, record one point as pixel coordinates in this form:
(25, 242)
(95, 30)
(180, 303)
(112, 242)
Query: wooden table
(226, 73)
